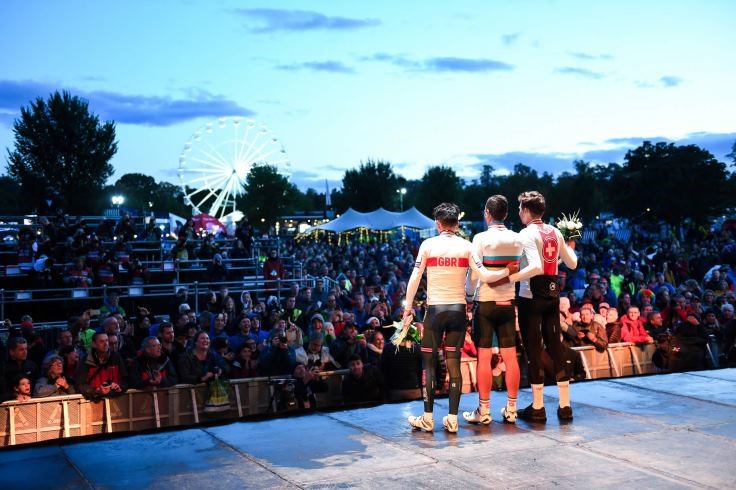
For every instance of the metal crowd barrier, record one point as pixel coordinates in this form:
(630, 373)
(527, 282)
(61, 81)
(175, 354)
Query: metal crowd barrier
(63, 417)
(621, 359)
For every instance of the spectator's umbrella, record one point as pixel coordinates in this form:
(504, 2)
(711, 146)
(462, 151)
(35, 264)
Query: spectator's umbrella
(208, 223)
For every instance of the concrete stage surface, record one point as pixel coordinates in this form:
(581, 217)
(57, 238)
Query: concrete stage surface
(666, 431)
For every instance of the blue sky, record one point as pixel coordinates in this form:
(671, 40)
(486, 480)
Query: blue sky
(416, 83)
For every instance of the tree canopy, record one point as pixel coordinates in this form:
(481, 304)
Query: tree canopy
(268, 195)
(670, 182)
(371, 186)
(60, 144)
(438, 184)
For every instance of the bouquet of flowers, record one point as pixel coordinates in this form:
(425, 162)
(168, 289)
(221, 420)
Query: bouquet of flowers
(570, 226)
(404, 331)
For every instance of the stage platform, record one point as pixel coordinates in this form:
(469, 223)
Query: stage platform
(665, 431)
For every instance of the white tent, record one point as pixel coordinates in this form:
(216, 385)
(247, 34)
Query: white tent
(378, 220)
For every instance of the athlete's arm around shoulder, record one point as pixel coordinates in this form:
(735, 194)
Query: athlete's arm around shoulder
(476, 265)
(567, 253)
(530, 252)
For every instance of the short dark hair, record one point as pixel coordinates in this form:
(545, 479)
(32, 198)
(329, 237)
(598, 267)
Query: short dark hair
(97, 334)
(220, 343)
(447, 214)
(354, 357)
(498, 207)
(533, 201)
(148, 339)
(13, 342)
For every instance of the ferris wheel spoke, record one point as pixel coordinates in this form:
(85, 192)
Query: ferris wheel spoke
(218, 203)
(244, 152)
(214, 158)
(257, 155)
(219, 155)
(208, 178)
(210, 187)
(209, 163)
(211, 193)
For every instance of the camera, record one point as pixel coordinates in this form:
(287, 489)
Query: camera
(283, 394)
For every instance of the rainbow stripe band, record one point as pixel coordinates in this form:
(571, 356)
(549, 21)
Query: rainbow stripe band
(500, 260)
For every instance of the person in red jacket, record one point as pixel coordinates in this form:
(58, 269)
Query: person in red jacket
(632, 327)
(273, 271)
(103, 372)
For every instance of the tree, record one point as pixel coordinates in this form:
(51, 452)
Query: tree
(670, 183)
(11, 197)
(268, 195)
(371, 186)
(59, 143)
(587, 190)
(438, 184)
(523, 179)
(170, 198)
(139, 190)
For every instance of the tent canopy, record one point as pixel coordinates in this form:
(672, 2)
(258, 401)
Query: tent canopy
(379, 220)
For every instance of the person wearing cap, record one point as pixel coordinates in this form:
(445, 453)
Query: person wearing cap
(447, 258)
(217, 270)
(53, 382)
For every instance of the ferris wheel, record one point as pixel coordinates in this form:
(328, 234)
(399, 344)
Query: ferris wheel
(216, 160)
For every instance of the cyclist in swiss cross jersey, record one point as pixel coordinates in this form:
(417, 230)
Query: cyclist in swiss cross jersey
(539, 304)
(447, 258)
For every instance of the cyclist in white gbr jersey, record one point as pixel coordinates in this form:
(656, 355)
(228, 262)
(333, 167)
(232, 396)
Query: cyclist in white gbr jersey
(447, 258)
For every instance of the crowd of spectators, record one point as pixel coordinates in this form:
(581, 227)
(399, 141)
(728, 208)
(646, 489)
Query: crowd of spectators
(103, 352)
(72, 253)
(642, 291)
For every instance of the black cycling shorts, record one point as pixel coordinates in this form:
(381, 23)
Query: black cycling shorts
(489, 317)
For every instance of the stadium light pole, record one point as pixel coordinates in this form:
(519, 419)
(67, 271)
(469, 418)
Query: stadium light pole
(401, 193)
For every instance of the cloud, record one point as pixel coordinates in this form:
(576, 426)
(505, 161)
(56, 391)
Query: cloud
(589, 57)
(124, 108)
(554, 163)
(670, 81)
(394, 59)
(581, 72)
(442, 64)
(612, 150)
(323, 66)
(509, 39)
(277, 20)
(315, 177)
(465, 65)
